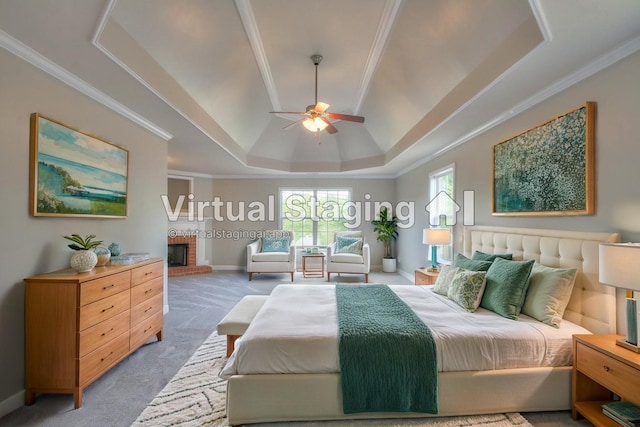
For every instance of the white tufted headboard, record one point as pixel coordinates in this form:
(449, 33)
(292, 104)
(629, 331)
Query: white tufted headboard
(592, 305)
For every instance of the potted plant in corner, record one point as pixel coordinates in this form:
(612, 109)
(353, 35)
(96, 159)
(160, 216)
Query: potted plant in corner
(387, 229)
(84, 258)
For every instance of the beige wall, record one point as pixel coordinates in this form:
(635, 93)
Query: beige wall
(230, 252)
(33, 245)
(616, 90)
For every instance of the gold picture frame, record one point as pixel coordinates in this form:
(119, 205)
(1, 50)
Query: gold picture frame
(548, 169)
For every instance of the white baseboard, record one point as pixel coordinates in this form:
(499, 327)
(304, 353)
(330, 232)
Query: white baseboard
(229, 267)
(407, 275)
(12, 403)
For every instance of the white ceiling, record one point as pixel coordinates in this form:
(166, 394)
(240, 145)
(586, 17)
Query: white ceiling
(426, 74)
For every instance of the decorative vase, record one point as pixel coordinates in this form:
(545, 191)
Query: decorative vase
(104, 255)
(115, 249)
(83, 261)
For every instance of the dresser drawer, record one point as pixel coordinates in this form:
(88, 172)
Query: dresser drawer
(145, 330)
(146, 290)
(146, 272)
(103, 309)
(100, 334)
(98, 361)
(145, 309)
(97, 289)
(616, 376)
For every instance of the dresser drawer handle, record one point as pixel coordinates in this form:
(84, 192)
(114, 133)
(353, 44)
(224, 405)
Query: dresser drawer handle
(105, 333)
(148, 309)
(606, 368)
(104, 288)
(104, 358)
(147, 291)
(108, 308)
(148, 273)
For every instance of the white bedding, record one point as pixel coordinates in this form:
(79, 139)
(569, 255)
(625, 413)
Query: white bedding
(296, 332)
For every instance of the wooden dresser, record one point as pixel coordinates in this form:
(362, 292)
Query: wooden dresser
(79, 325)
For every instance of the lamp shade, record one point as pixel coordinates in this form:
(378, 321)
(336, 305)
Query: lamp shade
(619, 265)
(436, 236)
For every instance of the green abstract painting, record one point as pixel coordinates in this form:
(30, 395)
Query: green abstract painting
(549, 169)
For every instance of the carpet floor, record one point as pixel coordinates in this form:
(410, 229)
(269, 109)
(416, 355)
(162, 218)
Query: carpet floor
(195, 396)
(197, 304)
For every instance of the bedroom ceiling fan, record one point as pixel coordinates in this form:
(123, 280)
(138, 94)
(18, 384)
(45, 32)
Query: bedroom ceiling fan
(316, 118)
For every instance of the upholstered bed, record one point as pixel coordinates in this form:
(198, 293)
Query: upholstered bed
(301, 394)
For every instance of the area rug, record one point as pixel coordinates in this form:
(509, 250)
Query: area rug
(196, 397)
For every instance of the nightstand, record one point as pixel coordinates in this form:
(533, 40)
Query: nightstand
(425, 277)
(600, 368)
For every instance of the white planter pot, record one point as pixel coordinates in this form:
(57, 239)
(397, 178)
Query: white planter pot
(83, 261)
(389, 265)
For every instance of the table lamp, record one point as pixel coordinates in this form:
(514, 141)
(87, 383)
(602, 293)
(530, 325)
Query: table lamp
(620, 267)
(435, 237)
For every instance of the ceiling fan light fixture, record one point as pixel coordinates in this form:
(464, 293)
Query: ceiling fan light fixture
(314, 124)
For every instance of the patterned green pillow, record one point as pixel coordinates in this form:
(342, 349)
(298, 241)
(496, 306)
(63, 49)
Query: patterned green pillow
(349, 245)
(470, 264)
(275, 244)
(444, 280)
(467, 287)
(507, 283)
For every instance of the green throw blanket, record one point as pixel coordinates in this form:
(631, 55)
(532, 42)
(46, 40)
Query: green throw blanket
(387, 354)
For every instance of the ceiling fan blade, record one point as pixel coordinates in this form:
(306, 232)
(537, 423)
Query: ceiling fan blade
(287, 112)
(321, 107)
(330, 128)
(346, 117)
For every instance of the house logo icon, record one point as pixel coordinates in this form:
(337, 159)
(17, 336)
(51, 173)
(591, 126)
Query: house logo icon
(443, 209)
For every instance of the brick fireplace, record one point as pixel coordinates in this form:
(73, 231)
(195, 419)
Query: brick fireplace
(192, 255)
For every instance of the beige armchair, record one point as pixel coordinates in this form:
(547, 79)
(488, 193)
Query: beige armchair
(272, 260)
(346, 262)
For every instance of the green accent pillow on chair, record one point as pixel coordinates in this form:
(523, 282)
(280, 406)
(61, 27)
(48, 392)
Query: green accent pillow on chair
(507, 283)
(349, 245)
(275, 244)
(470, 264)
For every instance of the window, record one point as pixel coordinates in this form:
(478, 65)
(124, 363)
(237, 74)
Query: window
(442, 206)
(313, 214)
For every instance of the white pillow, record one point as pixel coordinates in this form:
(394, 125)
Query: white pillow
(549, 293)
(444, 280)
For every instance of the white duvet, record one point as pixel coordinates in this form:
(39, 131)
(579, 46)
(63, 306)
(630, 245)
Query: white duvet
(296, 332)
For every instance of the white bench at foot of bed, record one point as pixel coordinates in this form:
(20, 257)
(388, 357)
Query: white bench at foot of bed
(237, 320)
(306, 397)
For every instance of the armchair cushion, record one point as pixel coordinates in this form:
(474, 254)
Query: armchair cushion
(271, 257)
(348, 258)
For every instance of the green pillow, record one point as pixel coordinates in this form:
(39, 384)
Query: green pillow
(466, 288)
(349, 245)
(507, 283)
(481, 256)
(470, 264)
(275, 244)
(549, 293)
(444, 280)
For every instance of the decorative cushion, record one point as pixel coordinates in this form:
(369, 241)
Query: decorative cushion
(549, 293)
(444, 280)
(349, 245)
(481, 256)
(348, 258)
(467, 287)
(275, 244)
(470, 264)
(270, 257)
(507, 283)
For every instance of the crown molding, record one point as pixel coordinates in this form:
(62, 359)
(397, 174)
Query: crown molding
(255, 41)
(595, 66)
(39, 61)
